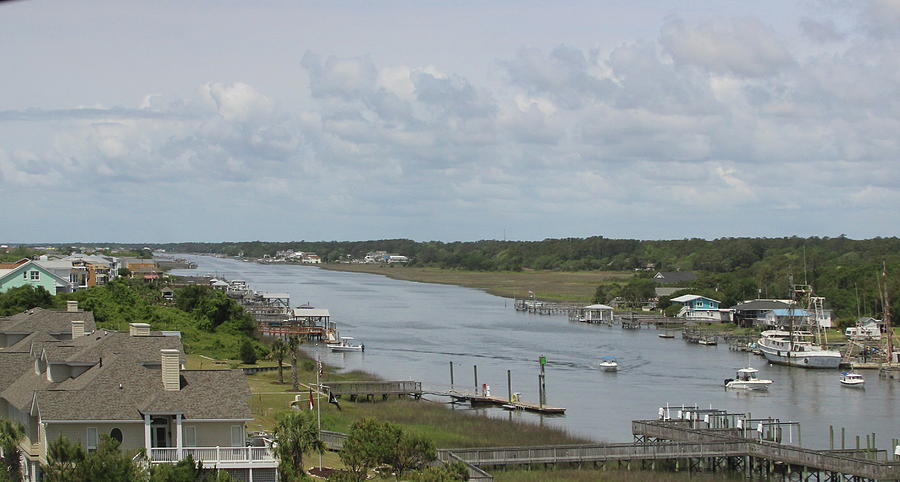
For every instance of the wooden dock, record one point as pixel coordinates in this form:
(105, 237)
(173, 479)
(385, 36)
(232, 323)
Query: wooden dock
(369, 390)
(475, 400)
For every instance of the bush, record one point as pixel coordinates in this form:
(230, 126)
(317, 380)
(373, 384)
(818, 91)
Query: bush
(248, 353)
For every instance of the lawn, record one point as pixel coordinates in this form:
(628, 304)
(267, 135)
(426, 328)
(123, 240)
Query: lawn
(574, 286)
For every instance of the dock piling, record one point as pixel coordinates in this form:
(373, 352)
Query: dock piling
(509, 384)
(451, 375)
(475, 367)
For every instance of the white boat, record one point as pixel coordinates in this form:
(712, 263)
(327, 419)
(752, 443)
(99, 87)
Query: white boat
(608, 364)
(747, 379)
(850, 379)
(796, 349)
(707, 341)
(346, 344)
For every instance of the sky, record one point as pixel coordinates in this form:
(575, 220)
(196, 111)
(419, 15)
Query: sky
(222, 120)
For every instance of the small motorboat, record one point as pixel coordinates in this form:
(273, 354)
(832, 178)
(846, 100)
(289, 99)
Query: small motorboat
(346, 344)
(666, 335)
(747, 379)
(608, 364)
(850, 379)
(707, 341)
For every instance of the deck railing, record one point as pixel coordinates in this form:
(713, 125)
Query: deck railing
(212, 455)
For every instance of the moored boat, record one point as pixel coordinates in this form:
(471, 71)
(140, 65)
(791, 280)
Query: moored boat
(346, 344)
(796, 349)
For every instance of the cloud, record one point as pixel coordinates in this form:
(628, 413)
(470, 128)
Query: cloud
(821, 31)
(715, 119)
(743, 47)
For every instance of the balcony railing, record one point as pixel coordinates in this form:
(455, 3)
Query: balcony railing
(213, 455)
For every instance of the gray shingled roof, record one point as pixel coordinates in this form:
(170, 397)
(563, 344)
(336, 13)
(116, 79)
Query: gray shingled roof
(50, 321)
(13, 365)
(125, 389)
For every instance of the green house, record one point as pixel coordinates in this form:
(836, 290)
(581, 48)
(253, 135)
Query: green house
(32, 273)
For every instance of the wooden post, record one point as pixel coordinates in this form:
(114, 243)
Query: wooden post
(831, 437)
(476, 378)
(509, 385)
(857, 442)
(842, 438)
(451, 375)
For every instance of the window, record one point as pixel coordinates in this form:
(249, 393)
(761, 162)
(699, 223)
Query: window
(91, 438)
(35, 276)
(24, 274)
(190, 436)
(116, 434)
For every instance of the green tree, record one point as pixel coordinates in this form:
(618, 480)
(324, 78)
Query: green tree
(11, 434)
(185, 470)
(369, 444)
(410, 453)
(279, 351)
(68, 462)
(24, 298)
(248, 353)
(295, 435)
(124, 272)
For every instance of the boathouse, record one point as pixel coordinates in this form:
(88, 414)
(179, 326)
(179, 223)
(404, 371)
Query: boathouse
(598, 314)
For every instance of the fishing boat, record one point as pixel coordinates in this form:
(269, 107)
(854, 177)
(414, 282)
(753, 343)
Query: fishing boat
(850, 379)
(346, 344)
(796, 349)
(608, 364)
(747, 379)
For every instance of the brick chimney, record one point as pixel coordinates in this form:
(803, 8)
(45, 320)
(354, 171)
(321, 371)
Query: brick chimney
(171, 369)
(139, 329)
(72, 306)
(77, 329)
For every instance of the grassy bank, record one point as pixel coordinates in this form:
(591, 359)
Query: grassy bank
(575, 286)
(446, 427)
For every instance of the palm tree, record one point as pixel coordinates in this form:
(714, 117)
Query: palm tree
(294, 343)
(10, 435)
(279, 351)
(295, 434)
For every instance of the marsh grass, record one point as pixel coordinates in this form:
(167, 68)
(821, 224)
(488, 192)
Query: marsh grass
(574, 286)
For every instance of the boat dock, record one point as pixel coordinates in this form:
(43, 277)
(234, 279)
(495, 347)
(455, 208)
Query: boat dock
(475, 400)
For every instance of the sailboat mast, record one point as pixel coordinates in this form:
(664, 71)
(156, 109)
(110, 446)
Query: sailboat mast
(887, 316)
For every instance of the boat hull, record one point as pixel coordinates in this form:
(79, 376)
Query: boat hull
(852, 384)
(813, 359)
(759, 386)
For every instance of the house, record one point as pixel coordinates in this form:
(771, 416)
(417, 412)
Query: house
(396, 258)
(82, 383)
(701, 308)
(866, 328)
(81, 270)
(310, 258)
(674, 277)
(167, 294)
(32, 273)
(758, 312)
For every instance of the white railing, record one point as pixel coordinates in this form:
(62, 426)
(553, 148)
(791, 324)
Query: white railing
(212, 455)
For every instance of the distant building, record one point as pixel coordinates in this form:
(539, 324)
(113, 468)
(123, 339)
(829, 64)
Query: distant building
(396, 258)
(674, 277)
(701, 308)
(32, 273)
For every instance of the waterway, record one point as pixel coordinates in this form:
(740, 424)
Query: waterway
(412, 331)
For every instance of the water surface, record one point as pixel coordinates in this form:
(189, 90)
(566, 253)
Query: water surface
(414, 330)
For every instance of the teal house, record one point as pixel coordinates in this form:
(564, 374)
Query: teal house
(32, 273)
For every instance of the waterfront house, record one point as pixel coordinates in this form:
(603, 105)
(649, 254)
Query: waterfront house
(82, 383)
(701, 308)
(757, 312)
(674, 277)
(32, 273)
